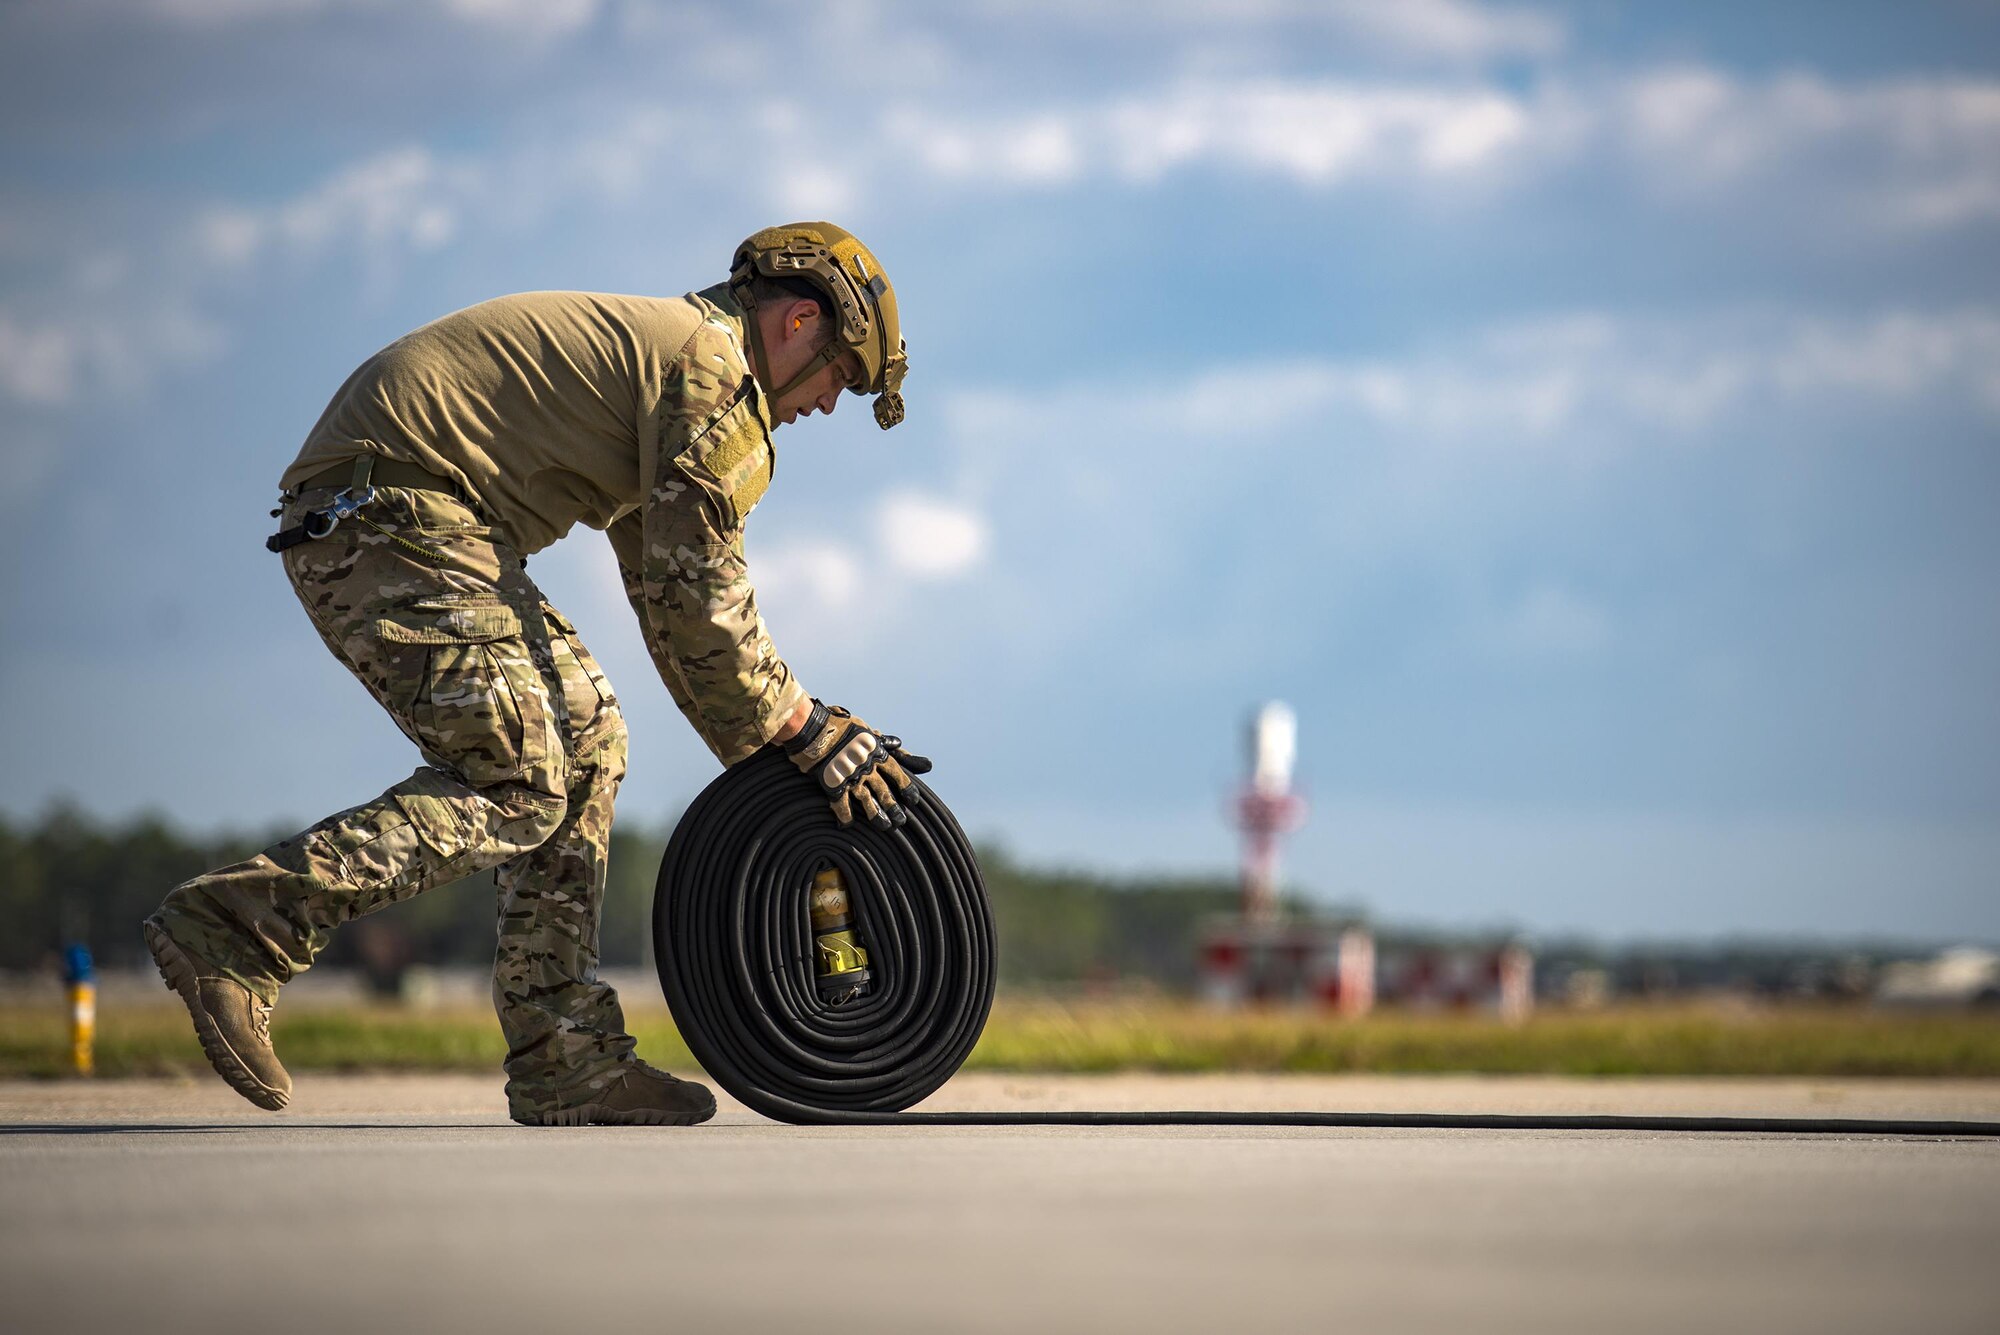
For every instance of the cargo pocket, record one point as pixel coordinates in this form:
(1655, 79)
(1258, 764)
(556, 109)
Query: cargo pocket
(479, 708)
(432, 801)
(388, 850)
(584, 663)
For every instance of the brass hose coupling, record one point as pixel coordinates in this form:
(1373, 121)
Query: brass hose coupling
(838, 958)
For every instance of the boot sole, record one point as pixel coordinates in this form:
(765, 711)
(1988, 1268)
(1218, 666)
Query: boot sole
(179, 973)
(596, 1114)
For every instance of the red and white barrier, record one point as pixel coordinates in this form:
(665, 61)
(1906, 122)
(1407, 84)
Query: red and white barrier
(1499, 979)
(1248, 961)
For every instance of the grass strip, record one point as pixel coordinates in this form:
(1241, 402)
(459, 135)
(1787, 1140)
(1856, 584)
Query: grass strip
(1683, 1041)
(1029, 1035)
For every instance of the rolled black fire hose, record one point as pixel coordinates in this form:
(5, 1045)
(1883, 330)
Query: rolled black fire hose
(735, 949)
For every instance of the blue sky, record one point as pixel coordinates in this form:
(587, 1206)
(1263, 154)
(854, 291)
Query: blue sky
(1585, 416)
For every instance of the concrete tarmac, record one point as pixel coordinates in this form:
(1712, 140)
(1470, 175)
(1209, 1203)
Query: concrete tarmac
(388, 1204)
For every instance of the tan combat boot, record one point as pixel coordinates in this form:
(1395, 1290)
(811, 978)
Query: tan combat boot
(642, 1095)
(234, 1026)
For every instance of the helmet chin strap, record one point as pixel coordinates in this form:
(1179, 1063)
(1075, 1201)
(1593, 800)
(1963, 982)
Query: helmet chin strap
(760, 360)
(824, 357)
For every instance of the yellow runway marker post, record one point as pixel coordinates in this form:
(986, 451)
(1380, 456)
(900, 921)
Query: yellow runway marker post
(81, 976)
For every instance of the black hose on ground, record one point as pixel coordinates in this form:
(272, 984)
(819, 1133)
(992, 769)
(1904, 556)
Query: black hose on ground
(735, 951)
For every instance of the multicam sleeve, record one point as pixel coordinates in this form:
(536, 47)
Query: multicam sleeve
(628, 539)
(700, 610)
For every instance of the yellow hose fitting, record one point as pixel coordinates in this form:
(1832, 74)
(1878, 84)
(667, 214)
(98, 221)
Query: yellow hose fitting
(839, 960)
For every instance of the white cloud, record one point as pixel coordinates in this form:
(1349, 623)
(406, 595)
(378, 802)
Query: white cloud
(218, 13)
(1042, 150)
(1421, 456)
(121, 319)
(230, 236)
(1317, 134)
(1432, 426)
(525, 18)
(1898, 355)
(805, 189)
(38, 365)
(54, 360)
(112, 319)
(617, 164)
(1538, 379)
(822, 575)
(1452, 30)
(1037, 149)
(927, 538)
(1920, 152)
(831, 592)
(409, 200)
(1290, 503)
(1912, 152)
(532, 18)
(400, 199)
(1917, 153)
(1457, 31)
(822, 598)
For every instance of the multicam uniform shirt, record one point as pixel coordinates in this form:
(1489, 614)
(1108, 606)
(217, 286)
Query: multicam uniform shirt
(635, 415)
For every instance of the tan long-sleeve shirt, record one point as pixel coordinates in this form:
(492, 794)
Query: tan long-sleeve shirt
(637, 415)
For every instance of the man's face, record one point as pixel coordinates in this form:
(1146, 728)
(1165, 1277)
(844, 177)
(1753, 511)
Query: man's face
(791, 345)
(821, 391)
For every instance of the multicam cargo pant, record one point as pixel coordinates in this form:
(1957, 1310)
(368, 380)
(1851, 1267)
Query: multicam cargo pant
(525, 747)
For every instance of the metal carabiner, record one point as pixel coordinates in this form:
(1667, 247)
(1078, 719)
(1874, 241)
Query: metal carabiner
(342, 505)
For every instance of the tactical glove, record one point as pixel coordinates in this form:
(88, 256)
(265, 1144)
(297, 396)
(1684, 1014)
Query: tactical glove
(855, 766)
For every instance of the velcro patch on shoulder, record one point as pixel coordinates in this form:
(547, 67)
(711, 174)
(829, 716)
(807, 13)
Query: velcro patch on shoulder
(744, 495)
(741, 466)
(727, 454)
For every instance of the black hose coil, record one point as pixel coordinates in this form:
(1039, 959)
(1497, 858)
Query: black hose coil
(735, 949)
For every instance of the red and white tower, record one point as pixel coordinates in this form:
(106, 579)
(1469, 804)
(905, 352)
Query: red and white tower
(1256, 957)
(1267, 807)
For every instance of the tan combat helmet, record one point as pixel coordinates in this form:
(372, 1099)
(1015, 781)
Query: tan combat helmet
(859, 296)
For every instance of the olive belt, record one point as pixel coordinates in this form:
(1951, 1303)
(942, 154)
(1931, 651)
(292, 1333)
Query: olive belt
(383, 473)
(357, 479)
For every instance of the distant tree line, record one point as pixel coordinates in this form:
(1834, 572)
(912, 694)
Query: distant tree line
(68, 877)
